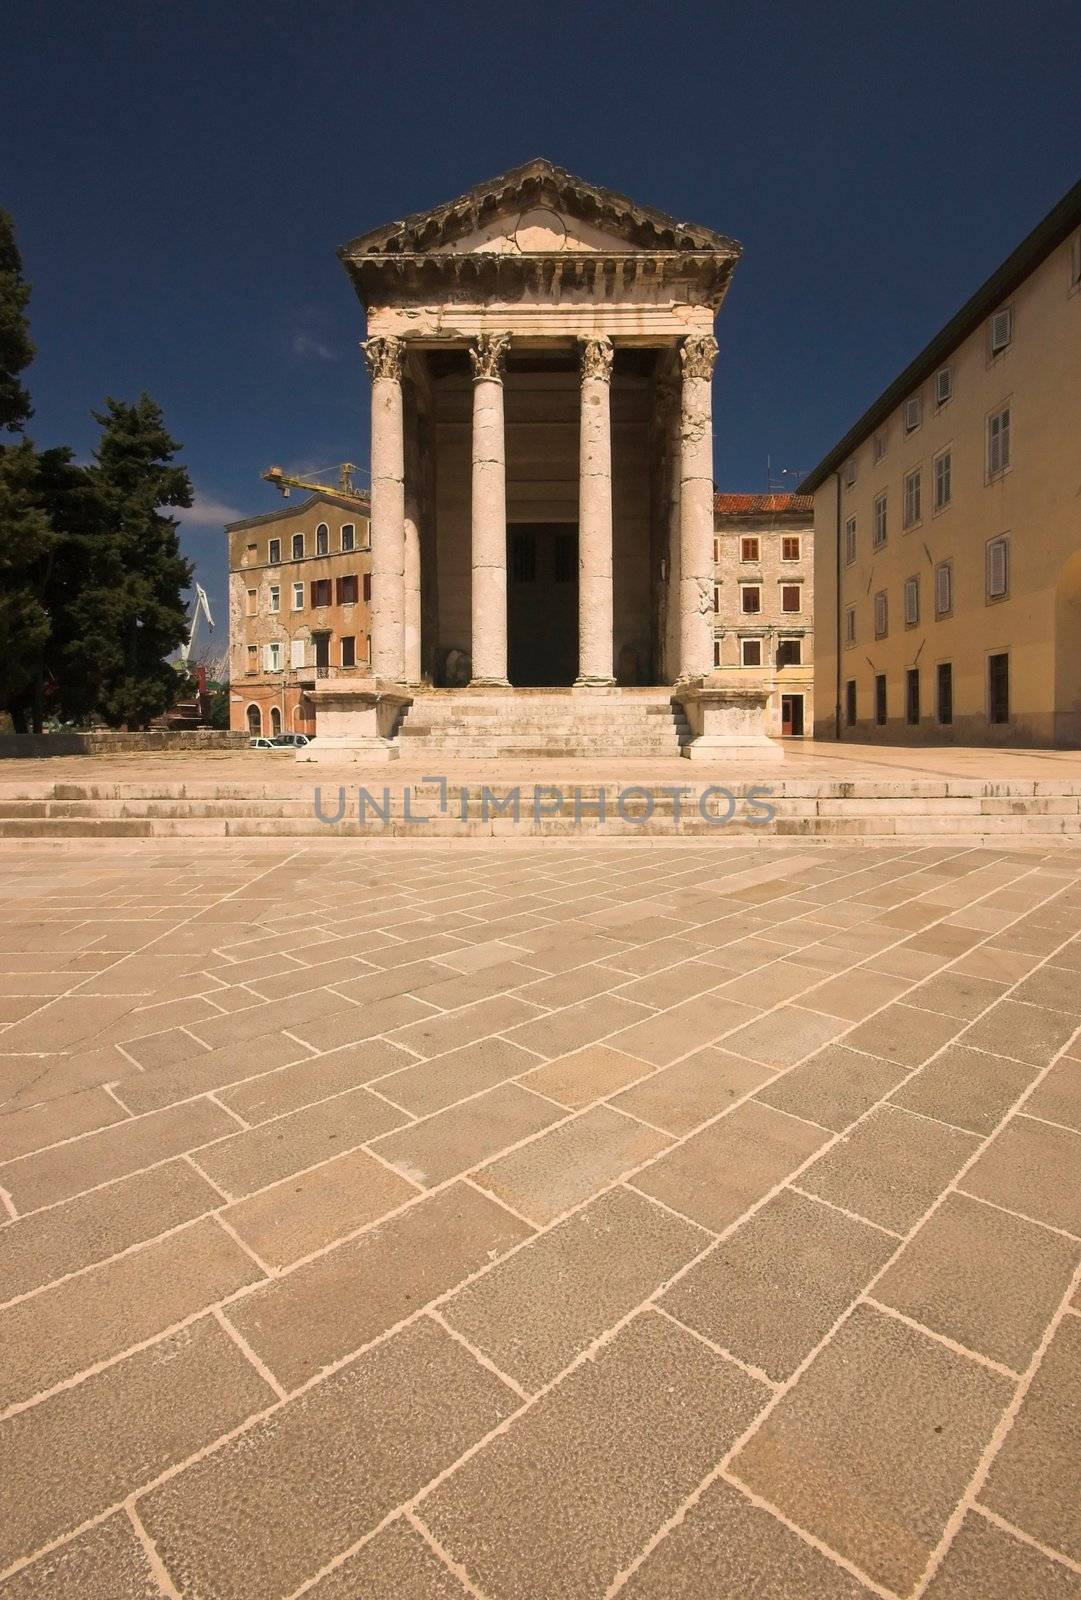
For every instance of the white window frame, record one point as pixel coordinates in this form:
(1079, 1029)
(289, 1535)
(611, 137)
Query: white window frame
(349, 528)
(272, 658)
(789, 611)
(1000, 330)
(850, 541)
(881, 529)
(943, 386)
(298, 590)
(744, 590)
(322, 537)
(789, 638)
(341, 649)
(998, 555)
(912, 499)
(913, 413)
(293, 547)
(274, 594)
(850, 472)
(999, 441)
(942, 474)
(757, 643)
(878, 446)
(850, 626)
(882, 614)
(754, 560)
(274, 552)
(944, 589)
(799, 547)
(912, 601)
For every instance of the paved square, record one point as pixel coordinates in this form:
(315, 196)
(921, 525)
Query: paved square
(522, 1222)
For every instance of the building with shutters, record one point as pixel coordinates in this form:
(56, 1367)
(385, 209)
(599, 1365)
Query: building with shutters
(763, 602)
(299, 606)
(948, 556)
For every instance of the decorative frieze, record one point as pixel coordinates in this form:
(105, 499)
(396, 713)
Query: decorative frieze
(489, 356)
(597, 359)
(384, 357)
(698, 352)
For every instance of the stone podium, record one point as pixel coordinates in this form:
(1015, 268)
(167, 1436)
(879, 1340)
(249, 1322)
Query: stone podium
(356, 719)
(728, 720)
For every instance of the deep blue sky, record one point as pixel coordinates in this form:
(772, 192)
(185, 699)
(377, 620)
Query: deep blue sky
(181, 175)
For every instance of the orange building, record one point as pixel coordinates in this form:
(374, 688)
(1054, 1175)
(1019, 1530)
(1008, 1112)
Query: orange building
(299, 606)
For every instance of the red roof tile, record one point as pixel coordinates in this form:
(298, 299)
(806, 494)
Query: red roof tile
(736, 505)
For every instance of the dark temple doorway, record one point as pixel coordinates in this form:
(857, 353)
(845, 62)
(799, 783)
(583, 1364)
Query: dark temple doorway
(542, 604)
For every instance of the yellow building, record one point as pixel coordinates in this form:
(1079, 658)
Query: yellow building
(948, 558)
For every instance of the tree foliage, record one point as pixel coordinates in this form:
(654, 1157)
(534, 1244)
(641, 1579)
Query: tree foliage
(91, 575)
(16, 346)
(131, 615)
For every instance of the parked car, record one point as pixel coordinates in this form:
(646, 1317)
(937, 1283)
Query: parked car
(260, 744)
(289, 740)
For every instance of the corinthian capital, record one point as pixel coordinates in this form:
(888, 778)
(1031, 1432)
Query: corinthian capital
(489, 355)
(698, 352)
(384, 357)
(597, 359)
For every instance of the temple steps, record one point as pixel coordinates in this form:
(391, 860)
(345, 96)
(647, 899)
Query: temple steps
(409, 807)
(544, 724)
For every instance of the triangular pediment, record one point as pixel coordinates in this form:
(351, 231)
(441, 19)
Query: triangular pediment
(539, 209)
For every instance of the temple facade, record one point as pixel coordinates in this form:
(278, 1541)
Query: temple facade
(541, 354)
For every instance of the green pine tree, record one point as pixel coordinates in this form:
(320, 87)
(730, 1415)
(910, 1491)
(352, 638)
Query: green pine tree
(26, 544)
(16, 346)
(131, 615)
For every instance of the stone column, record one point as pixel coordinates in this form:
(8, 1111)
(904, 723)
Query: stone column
(489, 555)
(697, 353)
(384, 358)
(595, 516)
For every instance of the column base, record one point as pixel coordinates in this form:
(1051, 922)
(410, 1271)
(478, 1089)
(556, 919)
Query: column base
(490, 683)
(594, 683)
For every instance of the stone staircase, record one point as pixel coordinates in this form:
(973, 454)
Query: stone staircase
(387, 803)
(527, 723)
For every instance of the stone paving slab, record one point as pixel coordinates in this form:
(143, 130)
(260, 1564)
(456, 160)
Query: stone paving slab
(676, 1222)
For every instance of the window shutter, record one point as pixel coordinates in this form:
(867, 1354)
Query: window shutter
(296, 653)
(912, 601)
(997, 568)
(266, 658)
(942, 590)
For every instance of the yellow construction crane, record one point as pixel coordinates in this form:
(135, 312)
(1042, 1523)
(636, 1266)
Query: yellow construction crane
(286, 481)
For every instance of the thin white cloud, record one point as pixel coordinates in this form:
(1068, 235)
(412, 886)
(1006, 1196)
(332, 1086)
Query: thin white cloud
(306, 345)
(206, 512)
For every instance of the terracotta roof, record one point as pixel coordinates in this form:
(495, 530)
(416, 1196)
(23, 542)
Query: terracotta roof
(749, 505)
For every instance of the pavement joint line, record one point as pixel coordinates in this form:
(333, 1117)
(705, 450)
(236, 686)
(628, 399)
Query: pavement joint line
(157, 1566)
(996, 1441)
(940, 1338)
(853, 1216)
(1015, 1532)
(717, 1349)
(1021, 1216)
(485, 1361)
(190, 1159)
(246, 1350)
(422, 1528)
(212, 1096)
(505, 1205)
(241, 1243)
